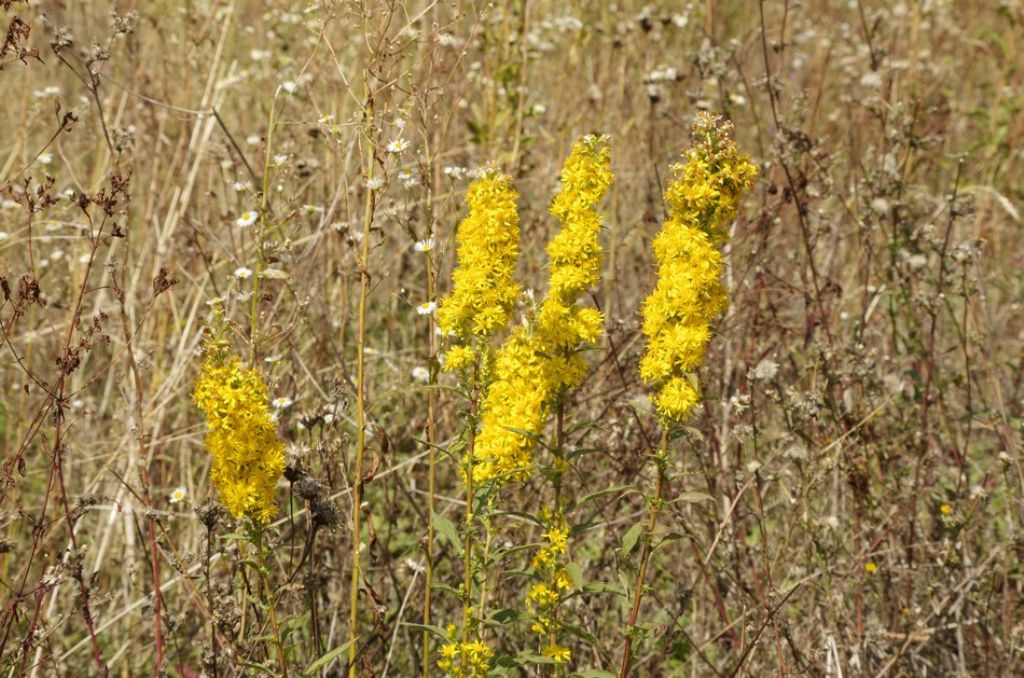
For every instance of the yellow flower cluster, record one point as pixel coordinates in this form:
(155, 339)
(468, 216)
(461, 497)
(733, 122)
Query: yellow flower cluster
(478, 656)
(575, 253)
(248, 457)
(484, 288)
(540, 362)
(702, 200)
(553, 583)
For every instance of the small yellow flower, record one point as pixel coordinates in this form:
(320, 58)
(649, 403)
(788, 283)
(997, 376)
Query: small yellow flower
(946, 509)
(870, 567)
(557, 652)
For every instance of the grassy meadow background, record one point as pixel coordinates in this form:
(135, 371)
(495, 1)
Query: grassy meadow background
(848, 499)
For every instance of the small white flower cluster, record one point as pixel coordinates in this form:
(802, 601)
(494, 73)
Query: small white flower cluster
(663, 74)
(47, 92)
(408, 179)
(456, 172)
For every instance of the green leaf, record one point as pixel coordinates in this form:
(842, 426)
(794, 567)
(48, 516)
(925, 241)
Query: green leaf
(504, 616)
(693, 497)
(430, 628)
(531, 658)
(257, 667)
(520, 514)
(630, 539)
(625, 489)
(670, 536)
(446, 528)
(604, 587)
(576, 573)
(326, 659)
(593, 673)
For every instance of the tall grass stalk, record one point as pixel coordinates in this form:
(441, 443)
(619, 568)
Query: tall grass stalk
(364, 289)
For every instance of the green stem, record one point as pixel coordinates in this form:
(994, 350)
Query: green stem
(661, 460)
(268, 598)
(467, 584)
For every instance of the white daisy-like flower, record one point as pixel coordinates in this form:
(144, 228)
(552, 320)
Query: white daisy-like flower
(408, 179)
(253, 139)
(312, 209)
(7, 204)
(426, 308)
(247, 219)
(282, 403)
(421, 374)
(259, 54)
(242, 272)
(375, 183)
(280, 159)
(240, 186)
(397, 146)
(177, 495)
(216, 301)
(424, 245)
(45, 158)
(289, 86)
(4, 235)
(329, 418)
(400, 123)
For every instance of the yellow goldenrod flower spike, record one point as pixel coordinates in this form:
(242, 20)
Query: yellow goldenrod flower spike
(484, 289)
(702, 200)
(540, 362)
(248, 457)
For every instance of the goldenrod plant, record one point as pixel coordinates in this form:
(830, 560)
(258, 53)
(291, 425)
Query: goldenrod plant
(248, 457)
(484, 294)
(701, 201)
(542, 359)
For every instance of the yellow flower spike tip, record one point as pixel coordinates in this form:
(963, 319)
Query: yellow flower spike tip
(484, 290)
(702, 199)
(248, 457)
(540, 362)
